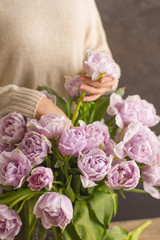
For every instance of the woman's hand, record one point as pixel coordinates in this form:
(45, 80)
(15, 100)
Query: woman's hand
(47, 106)
(96, 88)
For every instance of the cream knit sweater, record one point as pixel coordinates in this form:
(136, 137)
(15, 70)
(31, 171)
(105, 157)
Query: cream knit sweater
(40, 42)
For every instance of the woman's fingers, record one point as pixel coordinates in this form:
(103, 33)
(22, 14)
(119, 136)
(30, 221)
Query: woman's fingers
(91, 98)
(102, 83)
(106, 79)
(95, 91)
(96, 88)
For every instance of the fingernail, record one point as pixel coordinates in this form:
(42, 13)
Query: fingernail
(81, 78)
(103, 81)
(81, 87)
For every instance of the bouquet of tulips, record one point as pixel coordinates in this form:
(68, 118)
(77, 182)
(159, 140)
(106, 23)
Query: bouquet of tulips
(61, 175)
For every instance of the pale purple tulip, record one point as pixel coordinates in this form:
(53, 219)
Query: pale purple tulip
(50, 125)
(14, 168)
(41, 177)
(12, 129)
(123, 174)
(54, 209)
(97, 134)
(10, 223)
(35, 146)
(97, 63)
(132, 109)
(94, 166)
(139, 143)
(4, 146)
(72, 141)
(108, 147)
(72, 86)
(151, 179)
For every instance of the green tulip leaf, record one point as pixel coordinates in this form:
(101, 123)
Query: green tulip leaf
(86, 223)
(115, 233)
(70, 233)
(69, 191)
(13, 195)
(103, 205)
(101, 107)
(120, 91)
(134, 235)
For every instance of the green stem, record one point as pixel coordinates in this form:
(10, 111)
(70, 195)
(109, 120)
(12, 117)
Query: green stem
(78, 107)
(111, 123)
(66, 168)
(55, 189)
(18, 200)
(58, 182)
(55, 150)
(110, 120)
(6, 186)
(59, 156)
(23, 197)
(48, 162)
(74, 170)
(22, 204)
(62, 170)
(55, 232)
(85, 111)
(122, 194)
(136, 233)
(32, 228)
(60, 191)
(66, 165)
(136, 190)
(92, 114)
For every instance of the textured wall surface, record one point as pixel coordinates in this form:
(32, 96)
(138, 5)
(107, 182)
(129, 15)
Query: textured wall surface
(133, 33)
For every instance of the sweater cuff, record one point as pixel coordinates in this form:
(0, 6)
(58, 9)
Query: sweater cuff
(25, 101)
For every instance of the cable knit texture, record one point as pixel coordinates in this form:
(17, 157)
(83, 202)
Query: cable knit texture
(40, 42)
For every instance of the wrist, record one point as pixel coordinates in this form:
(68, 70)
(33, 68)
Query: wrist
(46, 106)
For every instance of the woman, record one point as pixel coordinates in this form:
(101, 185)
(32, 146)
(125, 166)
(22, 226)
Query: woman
(40, 42)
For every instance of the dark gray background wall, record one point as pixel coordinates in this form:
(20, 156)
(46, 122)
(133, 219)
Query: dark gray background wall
(133, 33)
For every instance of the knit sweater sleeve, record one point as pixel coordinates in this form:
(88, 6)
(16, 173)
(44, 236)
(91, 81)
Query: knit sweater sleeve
(95, 35)
(18, 99)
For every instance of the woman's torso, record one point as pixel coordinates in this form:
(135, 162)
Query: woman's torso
(41, 41)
